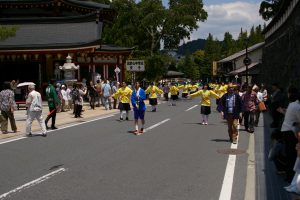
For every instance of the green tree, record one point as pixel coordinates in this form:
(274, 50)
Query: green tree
(189, 68)
(147, 23)
(6, 32)
(227, 46)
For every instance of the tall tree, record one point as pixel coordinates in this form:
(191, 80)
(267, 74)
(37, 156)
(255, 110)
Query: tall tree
(227, 45)
(188, 67)
(147, 23)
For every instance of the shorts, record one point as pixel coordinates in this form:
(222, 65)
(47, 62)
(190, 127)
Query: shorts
(124, 106)
(205, 110)
(153, 101)
(184, 95)
(174, 97)
(139, 114)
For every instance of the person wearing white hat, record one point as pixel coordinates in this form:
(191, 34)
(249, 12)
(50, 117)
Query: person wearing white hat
(64, 98)
(34, 111)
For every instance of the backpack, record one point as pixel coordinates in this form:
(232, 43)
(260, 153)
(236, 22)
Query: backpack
(75, 95)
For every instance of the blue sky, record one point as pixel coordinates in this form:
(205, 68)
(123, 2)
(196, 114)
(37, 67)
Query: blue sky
(227, 15)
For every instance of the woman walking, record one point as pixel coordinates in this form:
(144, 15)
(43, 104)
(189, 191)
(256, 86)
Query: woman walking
(174, 94)
(205, 95)
(124, 95)
(7, 107)
(152, 90)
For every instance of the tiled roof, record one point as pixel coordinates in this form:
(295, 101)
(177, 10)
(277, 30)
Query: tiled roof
(30, 36)
(241, 53)
(106, 47)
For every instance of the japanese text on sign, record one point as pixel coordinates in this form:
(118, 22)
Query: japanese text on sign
(135, 65)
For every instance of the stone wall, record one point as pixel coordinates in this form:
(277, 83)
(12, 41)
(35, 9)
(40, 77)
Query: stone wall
(281, 54)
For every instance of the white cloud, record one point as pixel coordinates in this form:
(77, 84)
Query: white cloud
(228, 17)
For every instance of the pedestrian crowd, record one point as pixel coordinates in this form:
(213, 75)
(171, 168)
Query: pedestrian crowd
(237, 104)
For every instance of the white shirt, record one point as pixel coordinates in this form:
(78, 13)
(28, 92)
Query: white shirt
(260, 96)
(64, 94)
(69, 94)
(291, 117)
(34, 101)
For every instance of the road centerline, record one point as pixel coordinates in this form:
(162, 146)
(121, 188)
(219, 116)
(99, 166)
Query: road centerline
(229, 175)
(157, 124)
(33, 183)
(191, 108)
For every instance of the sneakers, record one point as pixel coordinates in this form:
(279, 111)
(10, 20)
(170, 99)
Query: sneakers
(53, 127)
(234, 141)
(29, 135)
(127, 118)
(44, 135)
(121, 118)
(136, 132)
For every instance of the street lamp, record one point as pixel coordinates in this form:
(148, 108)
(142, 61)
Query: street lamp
(247, 60)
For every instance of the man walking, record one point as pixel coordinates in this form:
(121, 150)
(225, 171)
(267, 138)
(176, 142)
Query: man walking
(53, 103)
(249, 103)
(106, 91)
(34, 110)
(137, 100)
(232, 107)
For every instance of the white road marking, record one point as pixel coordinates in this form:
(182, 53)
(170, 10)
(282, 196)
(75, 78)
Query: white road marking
(229, 174)
(33, 183)
(69, 126)
(156, 125)
(12, 140)
(64, 127)
(191, 108)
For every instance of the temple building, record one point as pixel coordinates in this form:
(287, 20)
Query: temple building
(47, 31)
(281, 53)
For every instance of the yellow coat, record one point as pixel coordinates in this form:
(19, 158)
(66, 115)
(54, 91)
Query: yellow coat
(153, 91)
(124, 94)
(194, 88)
(205, 96)
(174, 90)
(222, 90)
(184, 88)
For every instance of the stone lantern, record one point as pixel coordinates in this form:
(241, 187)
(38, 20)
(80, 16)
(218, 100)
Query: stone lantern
(69, 70)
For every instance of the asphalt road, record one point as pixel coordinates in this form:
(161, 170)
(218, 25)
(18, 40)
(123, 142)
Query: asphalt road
(178, 159)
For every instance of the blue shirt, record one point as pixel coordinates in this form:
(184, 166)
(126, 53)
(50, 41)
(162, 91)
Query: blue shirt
(106, 90)
(138, 98)
(230, 102)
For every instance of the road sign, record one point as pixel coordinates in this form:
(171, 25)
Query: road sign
(135, 65)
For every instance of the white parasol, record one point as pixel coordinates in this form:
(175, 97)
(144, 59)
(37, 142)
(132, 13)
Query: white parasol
(25, 84)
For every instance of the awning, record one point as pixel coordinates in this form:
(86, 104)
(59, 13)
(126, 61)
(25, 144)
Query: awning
(243, 69)
(174, 73)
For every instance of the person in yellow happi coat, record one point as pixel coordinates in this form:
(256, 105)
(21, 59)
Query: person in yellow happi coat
(193, 88)
(153, 90)
(174, 94)
(185, 90)
(205, 95)
(124, 96)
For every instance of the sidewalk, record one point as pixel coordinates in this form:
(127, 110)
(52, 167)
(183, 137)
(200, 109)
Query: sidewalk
(62, 118)
(269, 185)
